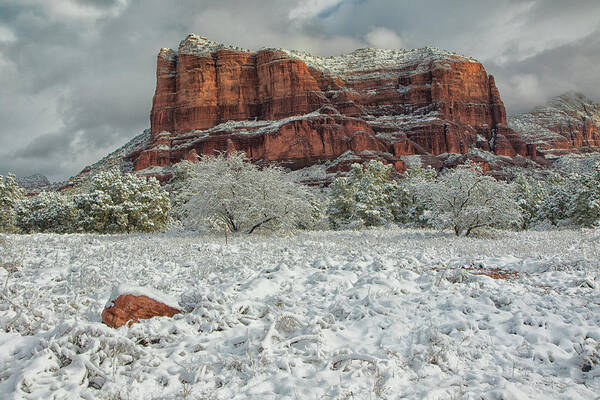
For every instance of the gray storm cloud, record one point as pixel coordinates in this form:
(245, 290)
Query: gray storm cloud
(77, 76)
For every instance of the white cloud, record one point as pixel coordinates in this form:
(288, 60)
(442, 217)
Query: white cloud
(74, 10)
(526, 87)
(6, 35)
(311, 8)
(240, 34)
(384, 38)
(523, 90)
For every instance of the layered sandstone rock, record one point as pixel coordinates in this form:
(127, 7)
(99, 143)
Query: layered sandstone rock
(567, 123)
(297, 109)
(128, 305)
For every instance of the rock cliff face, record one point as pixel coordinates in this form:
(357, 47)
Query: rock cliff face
(566, 124)
(297, 109)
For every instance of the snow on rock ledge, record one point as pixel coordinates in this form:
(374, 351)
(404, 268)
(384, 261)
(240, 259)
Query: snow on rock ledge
(128, 304)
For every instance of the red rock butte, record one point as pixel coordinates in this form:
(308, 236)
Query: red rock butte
(297, 109)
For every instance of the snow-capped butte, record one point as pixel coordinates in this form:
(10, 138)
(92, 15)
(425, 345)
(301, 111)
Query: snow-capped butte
(298, 110)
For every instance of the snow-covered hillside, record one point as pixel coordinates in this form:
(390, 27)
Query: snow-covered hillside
(323, 315)
(35, 181)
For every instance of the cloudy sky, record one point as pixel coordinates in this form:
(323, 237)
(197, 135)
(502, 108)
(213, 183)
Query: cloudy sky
(77, 76)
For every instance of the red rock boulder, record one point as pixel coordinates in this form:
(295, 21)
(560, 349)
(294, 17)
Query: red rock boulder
(140, 303)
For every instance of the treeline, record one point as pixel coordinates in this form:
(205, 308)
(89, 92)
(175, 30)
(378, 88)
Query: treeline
(113, 203)
(463, 199)
(230, 192)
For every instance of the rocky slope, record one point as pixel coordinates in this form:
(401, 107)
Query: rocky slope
(297, 109)
(121, 159)
(566, 124)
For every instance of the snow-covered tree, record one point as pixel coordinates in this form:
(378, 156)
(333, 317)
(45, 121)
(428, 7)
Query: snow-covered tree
(562, 199)
(341, 209)
(374, 195)
(465, 199)
(410, 202)
(530, 194)
(46, 212)
(230, 191)
(363, 198)
(180, 188)
(558, 202)
(10, 194)
(587, 199)
(122, 203)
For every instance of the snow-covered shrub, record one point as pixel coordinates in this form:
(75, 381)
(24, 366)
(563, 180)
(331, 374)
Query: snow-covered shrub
(576, 164)
(341, 208)
(230, 191)
(9, 260)
(409, 204)
(46, 212)
(364, 198)
(562, 199)
(122, 203)
(10, 194)
(465, 199)
(431, 347)
(180, 188)
(586, 210)
(318, 218)
(113, 203)
(589, 354)
(530, 194)
(558, 201)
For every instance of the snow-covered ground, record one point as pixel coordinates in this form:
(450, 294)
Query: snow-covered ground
(323, 315)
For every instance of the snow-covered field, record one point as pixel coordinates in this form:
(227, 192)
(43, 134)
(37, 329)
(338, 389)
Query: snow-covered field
(323, 315)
